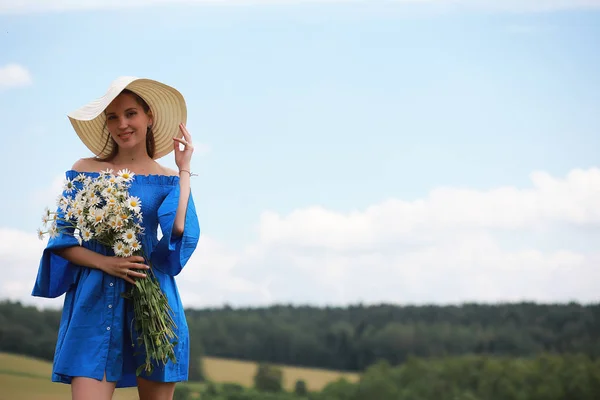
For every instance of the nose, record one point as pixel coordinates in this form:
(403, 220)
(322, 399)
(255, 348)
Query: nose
(122, 123)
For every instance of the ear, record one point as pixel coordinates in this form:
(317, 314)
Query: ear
(151, 119)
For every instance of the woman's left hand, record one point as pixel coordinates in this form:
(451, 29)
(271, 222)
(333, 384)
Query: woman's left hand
(183, 157)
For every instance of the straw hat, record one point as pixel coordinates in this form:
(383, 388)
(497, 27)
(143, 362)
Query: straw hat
(166, 103)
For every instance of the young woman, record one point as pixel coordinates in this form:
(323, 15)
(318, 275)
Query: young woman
(133, 124)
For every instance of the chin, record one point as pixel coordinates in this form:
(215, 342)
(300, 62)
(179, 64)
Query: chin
(130, 144)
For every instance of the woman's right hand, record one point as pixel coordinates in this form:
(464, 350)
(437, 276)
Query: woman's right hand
(124, 267)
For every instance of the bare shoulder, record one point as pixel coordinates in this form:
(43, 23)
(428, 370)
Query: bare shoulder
(88, 165)
(162, 170)
(169, 171)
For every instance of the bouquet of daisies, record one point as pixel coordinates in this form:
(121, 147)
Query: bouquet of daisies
(102, 209)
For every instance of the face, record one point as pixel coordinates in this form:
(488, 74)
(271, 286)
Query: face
(127, 122)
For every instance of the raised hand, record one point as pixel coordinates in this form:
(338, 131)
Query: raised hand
(183, 157)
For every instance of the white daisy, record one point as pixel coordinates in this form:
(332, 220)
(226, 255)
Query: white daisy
(80, 197)
(68, 186)
(112, 222)
(125, 175)
(40, 234)
(53, 231)
(118, 248)
(96, 215)
(92, 198)
(63, 203)
(139, 228)
(134, 204)
(111, 201)
(106, 173)
(108, 191)
(135, 246)
(101, 229)
(86, 234)
(123, 216)
(126, 251)
(129, 236)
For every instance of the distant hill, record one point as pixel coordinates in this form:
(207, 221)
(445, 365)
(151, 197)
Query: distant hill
(354, 337)
(24, 377)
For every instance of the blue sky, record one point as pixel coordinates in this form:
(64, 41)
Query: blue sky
(340, 106)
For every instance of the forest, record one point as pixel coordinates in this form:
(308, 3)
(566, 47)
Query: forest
(468, 351)
(354, 337)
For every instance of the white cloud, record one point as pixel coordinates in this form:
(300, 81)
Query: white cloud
(20, 254)
(14, 75)
(506, 244)
(454, 245)
(30, 6)
(573, 200)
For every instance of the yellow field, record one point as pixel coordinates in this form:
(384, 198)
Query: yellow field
(242, 372)
(27, 378)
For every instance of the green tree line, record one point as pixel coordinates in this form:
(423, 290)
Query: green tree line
(470, 377)
(352, 338)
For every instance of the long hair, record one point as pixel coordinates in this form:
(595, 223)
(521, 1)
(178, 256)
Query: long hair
(150, 146)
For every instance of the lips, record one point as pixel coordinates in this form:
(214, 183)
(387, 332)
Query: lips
(126, 135)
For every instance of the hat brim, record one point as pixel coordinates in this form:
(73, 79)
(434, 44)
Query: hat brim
(166, 103)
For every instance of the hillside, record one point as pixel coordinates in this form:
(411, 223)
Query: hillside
(543, 377)
(354, 337)
(23, 377)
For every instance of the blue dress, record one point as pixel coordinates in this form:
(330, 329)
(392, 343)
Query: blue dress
(95, 334)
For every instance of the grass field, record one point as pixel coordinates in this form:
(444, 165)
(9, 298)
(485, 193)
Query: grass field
(242, 372)
(29, 379)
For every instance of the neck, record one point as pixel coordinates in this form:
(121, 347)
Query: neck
(131, 156)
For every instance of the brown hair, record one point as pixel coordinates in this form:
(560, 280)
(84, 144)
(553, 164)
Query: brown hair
(150, 145)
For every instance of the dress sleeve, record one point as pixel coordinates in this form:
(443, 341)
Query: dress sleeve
(56, 274)
(172, 252)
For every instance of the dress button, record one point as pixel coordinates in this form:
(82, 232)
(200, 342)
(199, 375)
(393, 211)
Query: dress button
(108, 328)
(110, 306)
(111, 284)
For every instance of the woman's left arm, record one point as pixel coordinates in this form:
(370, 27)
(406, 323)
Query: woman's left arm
(183, 160)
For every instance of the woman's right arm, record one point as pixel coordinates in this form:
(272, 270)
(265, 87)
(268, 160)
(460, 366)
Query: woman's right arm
(121, 267)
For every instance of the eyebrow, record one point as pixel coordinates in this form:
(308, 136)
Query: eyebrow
(129, 109)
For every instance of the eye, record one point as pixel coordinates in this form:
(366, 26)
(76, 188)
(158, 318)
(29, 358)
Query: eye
(131, 114)
(110, 117)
